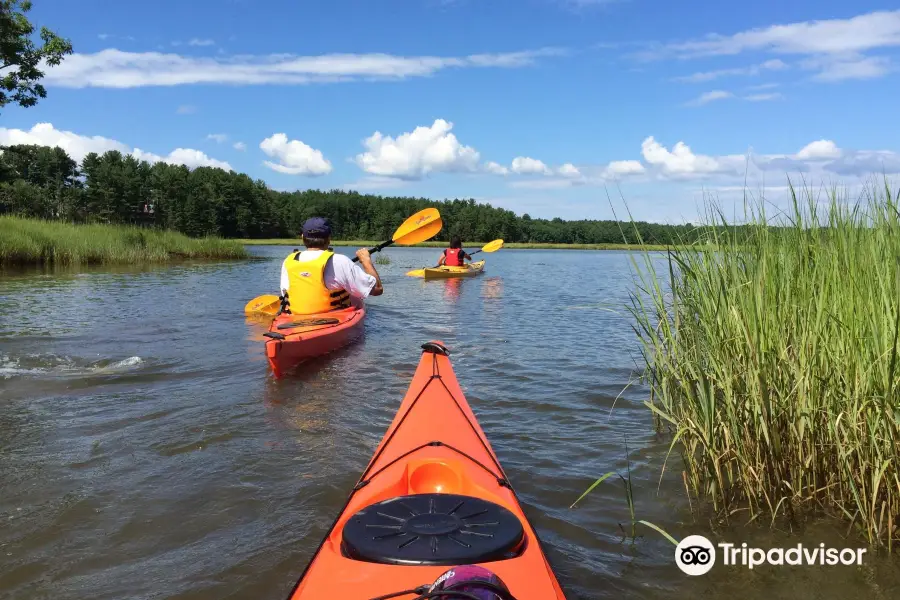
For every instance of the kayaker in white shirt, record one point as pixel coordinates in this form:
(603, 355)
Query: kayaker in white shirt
(305, 270)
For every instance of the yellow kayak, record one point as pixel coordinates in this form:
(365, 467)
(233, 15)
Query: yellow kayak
(447, 272)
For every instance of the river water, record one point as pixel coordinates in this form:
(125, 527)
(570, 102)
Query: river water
(146, 451)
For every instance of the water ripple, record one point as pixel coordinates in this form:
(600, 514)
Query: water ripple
(146, 451)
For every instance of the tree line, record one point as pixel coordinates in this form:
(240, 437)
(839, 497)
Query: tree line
(45, 182)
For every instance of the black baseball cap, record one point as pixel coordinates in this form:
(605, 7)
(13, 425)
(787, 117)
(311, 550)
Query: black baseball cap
(317, 227)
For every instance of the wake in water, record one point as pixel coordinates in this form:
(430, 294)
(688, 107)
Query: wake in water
(53, 365)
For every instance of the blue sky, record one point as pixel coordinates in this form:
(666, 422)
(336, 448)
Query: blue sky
(540, 106)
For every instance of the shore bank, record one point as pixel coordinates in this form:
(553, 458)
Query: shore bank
(37, 242)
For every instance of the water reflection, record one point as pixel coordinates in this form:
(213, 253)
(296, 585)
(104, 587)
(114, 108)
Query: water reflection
(452, 288)
(492, 288)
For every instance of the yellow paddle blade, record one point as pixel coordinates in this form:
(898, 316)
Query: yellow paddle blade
(492, 246)
(267, 303)
(422, 226)
(416, 273)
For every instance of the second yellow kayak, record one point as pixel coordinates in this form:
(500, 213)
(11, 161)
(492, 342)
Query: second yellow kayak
(447, 272)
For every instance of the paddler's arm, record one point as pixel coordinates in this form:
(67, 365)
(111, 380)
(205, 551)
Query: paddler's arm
(365, 261)
(285, 281)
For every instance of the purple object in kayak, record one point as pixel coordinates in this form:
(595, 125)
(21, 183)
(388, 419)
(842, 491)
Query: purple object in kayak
(464, 579)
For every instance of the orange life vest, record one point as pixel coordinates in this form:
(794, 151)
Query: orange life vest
(453, 257)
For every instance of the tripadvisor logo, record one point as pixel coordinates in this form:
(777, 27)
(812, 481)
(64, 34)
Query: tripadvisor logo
(696, 555)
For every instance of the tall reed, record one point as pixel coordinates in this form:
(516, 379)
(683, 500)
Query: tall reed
(32, 241)
(774, 360)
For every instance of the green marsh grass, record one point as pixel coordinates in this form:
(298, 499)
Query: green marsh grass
(37, 242)
(629, 500)
(774, 361)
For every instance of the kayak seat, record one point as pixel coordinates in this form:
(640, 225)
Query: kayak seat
(432, 529)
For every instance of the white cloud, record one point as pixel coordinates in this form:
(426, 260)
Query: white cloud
(567, 175)
(770, 65)
(821, 149)
(78, 146)
(866, 162)
(836, 47)
(762, 86)
(219, 138)
(182, 156)
(740, 189)
(186, 109)
(853, 67)
(496, 168)
(879, 29)
(239, 146)
(544, 184)
(715, 95)
(763, 97)
(199, 42)
(524, 165)
(708, 97)
(569, 170)
(294, 157)
(681, 162)
(113, 68)
(819, 160)
(418, 153)
(621, 168)
(194, 158)
(102, 36)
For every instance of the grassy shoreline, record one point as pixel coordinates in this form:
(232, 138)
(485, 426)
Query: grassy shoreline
(774, 364)
(37, 242)
(296, 243)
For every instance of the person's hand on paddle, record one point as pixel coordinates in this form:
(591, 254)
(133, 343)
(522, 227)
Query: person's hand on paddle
(365, 261)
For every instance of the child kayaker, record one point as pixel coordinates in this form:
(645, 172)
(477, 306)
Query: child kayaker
(454, 256)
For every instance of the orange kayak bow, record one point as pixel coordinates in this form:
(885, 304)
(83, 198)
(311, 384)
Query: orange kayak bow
(433, 497)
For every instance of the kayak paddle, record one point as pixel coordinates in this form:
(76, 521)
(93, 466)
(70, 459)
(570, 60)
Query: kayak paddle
(423, 225)
(265, 304)
(489, 247)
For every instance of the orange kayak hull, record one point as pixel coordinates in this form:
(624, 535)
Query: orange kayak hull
(293, 339)
(434, 455)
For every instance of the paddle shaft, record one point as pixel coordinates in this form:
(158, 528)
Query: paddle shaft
(377, 248)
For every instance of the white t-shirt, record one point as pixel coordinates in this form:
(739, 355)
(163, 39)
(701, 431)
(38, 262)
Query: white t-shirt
(341, 273)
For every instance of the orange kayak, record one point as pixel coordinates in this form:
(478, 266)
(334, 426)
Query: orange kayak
(433, 497)
(293, 339)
